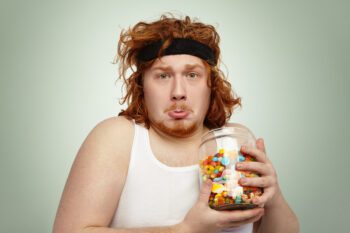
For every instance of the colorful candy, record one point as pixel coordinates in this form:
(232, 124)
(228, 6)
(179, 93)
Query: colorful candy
(225, 161)
(226, 192)
(217, 188)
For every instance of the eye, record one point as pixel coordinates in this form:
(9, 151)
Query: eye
(163, 75)
(192, 75)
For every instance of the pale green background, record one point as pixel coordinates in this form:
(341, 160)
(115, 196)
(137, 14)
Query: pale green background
(288, 60)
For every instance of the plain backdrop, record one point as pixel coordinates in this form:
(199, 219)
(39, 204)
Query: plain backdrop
(288, 60)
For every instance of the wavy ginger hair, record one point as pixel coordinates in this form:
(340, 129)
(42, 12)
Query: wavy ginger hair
(222, 99)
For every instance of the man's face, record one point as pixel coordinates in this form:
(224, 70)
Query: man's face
(176, 94)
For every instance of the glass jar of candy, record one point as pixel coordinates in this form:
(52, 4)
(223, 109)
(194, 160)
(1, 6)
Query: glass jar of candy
(219, 152)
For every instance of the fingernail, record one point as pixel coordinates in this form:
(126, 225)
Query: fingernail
(243, 181)
(208, 182)
(239, 165)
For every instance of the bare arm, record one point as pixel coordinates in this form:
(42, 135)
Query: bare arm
(97, 177)
(279, 217)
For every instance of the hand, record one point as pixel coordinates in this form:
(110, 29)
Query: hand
(262, 166)
(201, 218)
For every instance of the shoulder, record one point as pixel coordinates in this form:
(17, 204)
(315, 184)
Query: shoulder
(105, 153)
(112, 137)
(115, 125)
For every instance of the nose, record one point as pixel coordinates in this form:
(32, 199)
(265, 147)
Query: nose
(178, 91)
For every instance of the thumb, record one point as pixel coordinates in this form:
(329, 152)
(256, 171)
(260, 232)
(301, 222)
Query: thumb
(205, 191)
(260, 144)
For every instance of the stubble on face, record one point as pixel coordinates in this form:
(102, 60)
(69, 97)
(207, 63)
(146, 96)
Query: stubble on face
(178, 129)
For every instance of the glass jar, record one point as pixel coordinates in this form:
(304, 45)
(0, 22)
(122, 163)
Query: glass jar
(219, 152)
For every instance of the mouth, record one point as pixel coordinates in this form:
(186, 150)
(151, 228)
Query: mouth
(178, 114)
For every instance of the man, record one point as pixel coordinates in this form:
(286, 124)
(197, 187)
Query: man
(138, 172)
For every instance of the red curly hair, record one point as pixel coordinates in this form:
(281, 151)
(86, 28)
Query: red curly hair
(222, 99)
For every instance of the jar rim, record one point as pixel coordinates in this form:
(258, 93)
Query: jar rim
(229, 130)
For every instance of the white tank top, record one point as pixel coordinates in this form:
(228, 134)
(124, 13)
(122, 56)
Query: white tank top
(155, 194)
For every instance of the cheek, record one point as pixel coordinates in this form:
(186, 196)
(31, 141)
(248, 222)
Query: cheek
(202, 100)
(205, 97)
(149, 100)
(153, 99)
(206, 100)
(151, 90)
(148, 91)
(154, 94)
(206, 103)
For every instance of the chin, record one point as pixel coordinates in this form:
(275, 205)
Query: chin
(177, 128)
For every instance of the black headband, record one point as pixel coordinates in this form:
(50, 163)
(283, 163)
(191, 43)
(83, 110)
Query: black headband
(178, 46)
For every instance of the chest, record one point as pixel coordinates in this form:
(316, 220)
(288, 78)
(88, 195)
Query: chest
(175, 155)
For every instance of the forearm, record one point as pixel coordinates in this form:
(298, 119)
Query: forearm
(166, 229)
(279, 217)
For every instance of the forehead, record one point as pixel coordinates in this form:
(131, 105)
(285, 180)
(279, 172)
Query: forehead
(180, 61)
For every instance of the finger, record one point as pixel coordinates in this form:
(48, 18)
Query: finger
(261, 200)
(260, 144)
(257, 167)
(256, 153)
(239, 215)
(261, 182)
(240, 223)
(205, 192)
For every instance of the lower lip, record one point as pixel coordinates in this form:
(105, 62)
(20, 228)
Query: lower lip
(178, 115)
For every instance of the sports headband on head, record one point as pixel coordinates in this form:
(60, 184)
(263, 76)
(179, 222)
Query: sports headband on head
(178, 46)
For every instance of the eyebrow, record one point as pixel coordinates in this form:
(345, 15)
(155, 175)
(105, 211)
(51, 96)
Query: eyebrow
(161, 68)
(190, 67)
(187, 67)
